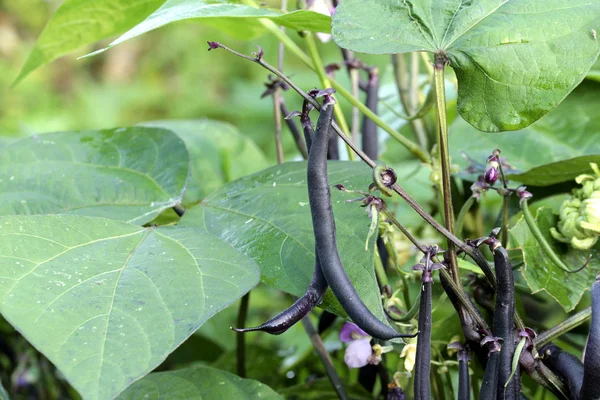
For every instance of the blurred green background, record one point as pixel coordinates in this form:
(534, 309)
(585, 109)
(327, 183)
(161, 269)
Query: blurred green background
(166, 74)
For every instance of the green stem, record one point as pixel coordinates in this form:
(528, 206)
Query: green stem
(380, 270)
(319, 68)
(570, 323)
(401, 76)
(460, 220)
(504, 230)
(394, 256)
(297, 51)
(440, 94)
(410, 314)
(545, 246)
(505, 194)
(420, 113)
(354, 81)
(241, 339)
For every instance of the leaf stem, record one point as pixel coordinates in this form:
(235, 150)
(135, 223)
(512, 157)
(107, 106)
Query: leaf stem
(241, 339)
(440, 94)
(565, 326)
(401, 77)
(380, 270)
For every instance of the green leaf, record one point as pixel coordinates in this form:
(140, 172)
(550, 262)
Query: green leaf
(198, 383)
(555, 149)
(266, 356)
(541, 273)
(219, 153)
(514, 60)
(319, 389)
(267, 217)
(238, 20)
(77, 23)
(128, 174)
(107, 301)
(594, 73)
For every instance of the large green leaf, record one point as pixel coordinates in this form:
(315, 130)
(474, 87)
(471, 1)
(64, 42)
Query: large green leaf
(128, 174)
(555, 149)
(515, 60)
(237, 20)
(542, 274)
(267, 216)
(219, 153)
(77, 23)
(107, 301)
(198, 383)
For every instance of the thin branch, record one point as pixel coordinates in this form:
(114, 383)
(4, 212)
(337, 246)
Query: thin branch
(241, 339)
(317, 343)
(565, 326)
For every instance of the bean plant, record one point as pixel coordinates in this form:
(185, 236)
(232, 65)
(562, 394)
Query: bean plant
(435, 229)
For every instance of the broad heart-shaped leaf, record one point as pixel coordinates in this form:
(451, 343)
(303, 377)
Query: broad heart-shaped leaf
(238, 20)
(542, 274)
(107, 301)
(267, 216)
(219, 153)
(77, 23)
(555, 149)
(198, 383)
(127, 174)
(515, 60)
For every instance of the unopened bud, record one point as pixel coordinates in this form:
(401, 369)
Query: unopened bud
(491, 175)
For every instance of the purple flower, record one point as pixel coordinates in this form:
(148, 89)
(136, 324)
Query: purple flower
(359, 350)
(358, 353)
(351, 332)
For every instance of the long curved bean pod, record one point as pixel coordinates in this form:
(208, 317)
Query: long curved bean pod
(423, 356)
(590, 389)
(504, 323)
(568, 367)
(489, 384)
(369, 129)
(324, 228)
(301, 307)
(464, 384)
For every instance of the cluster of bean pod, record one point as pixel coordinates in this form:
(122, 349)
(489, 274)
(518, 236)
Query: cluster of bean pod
(329, 271)
(502, 376)
(581, 379)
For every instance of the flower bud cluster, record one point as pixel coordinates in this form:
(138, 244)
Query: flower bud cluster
(579, 222)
